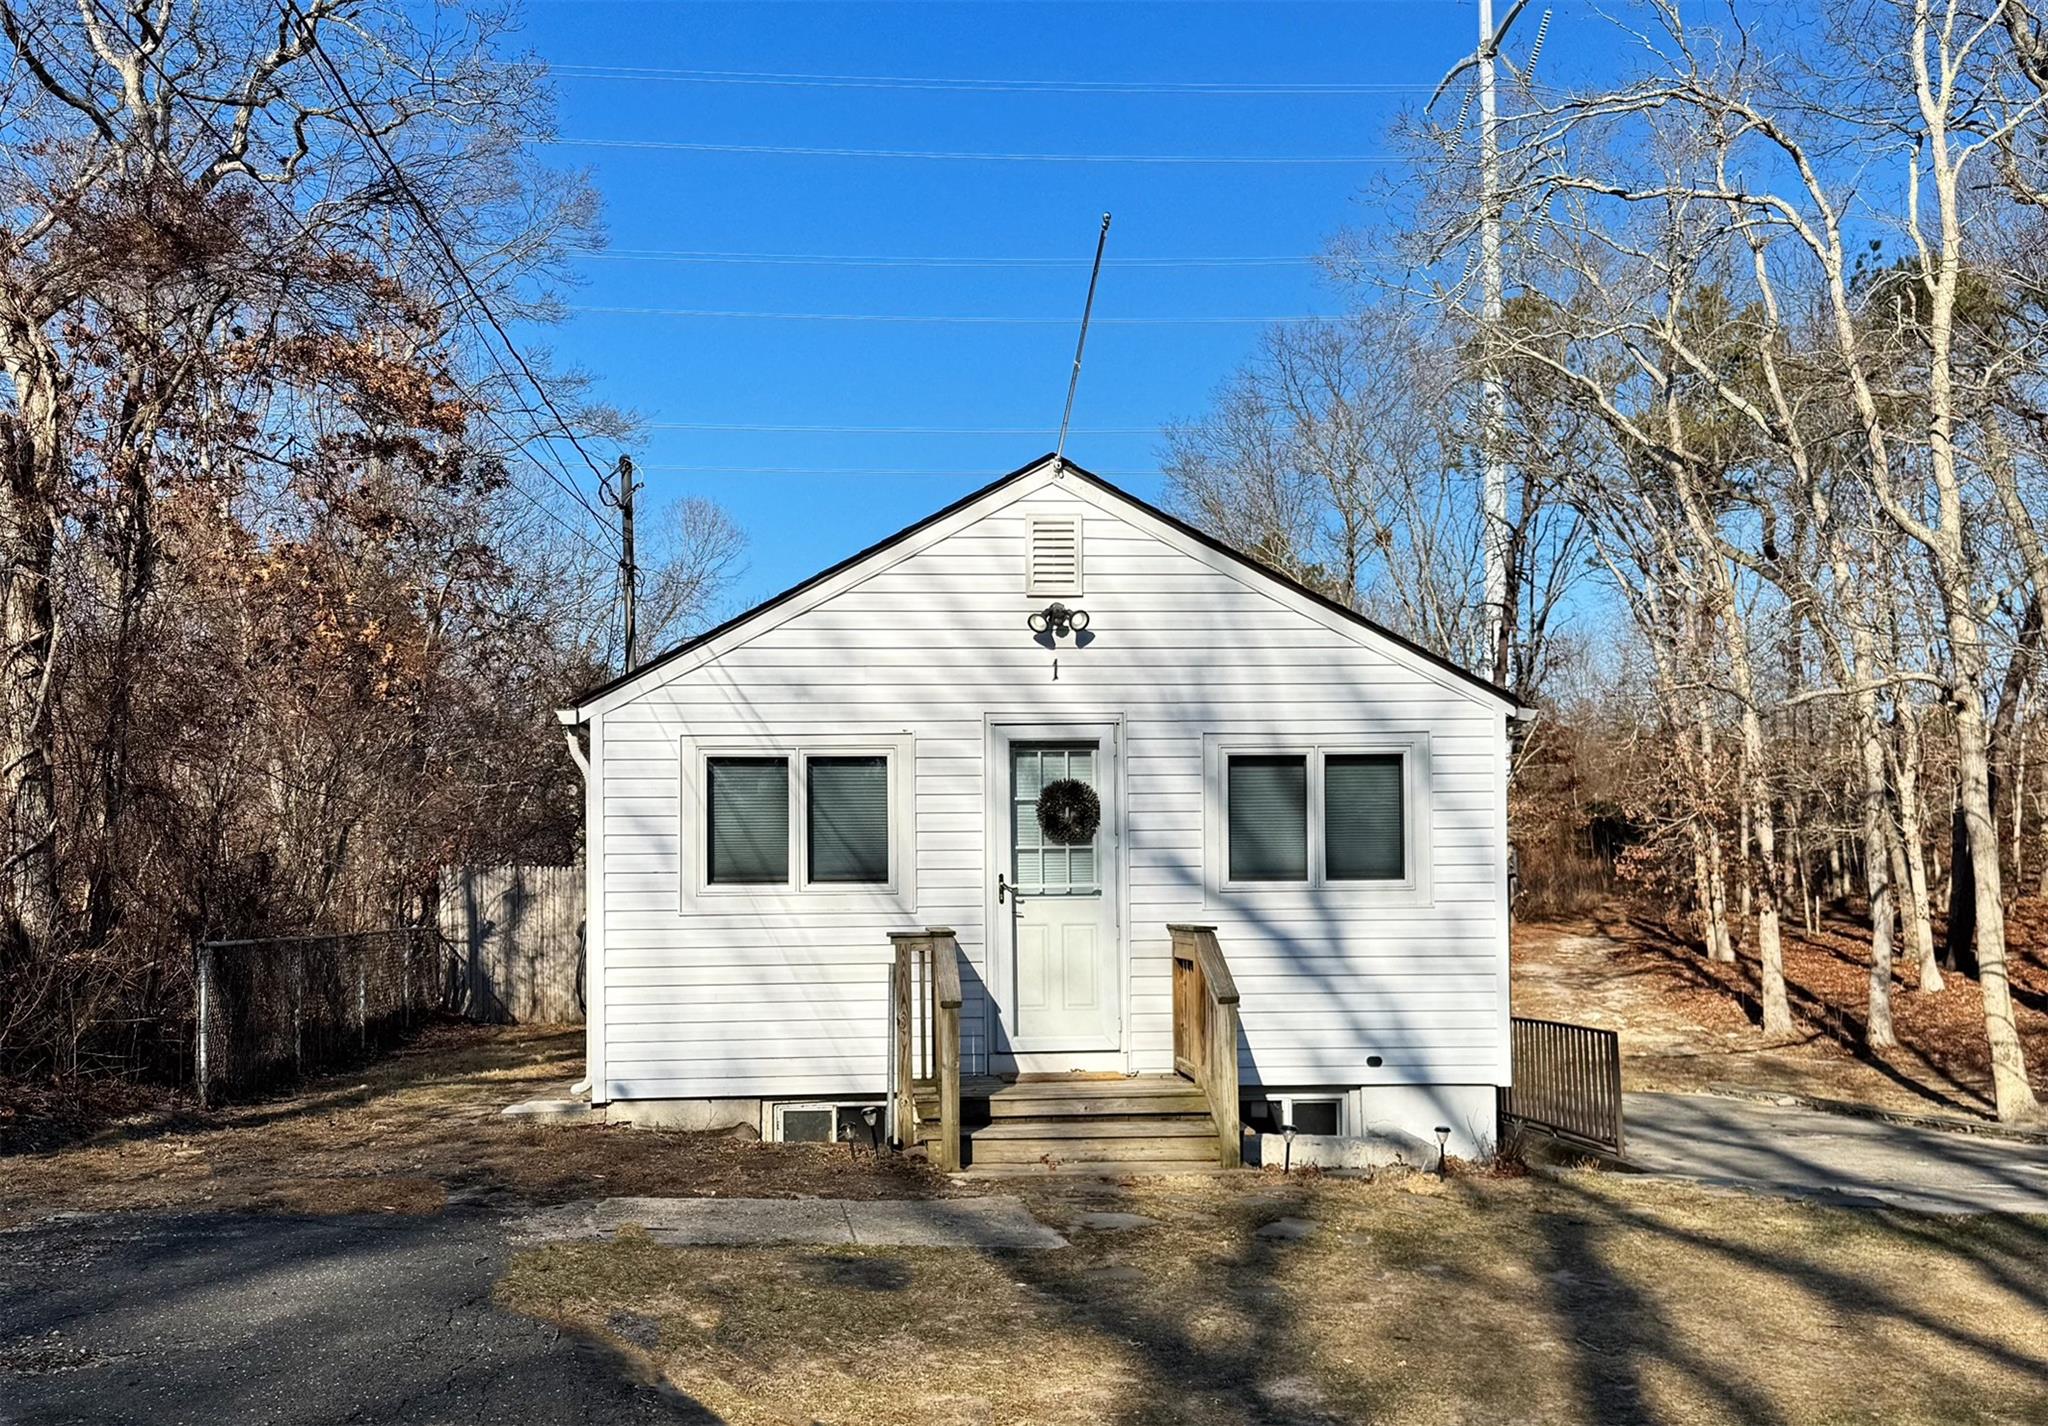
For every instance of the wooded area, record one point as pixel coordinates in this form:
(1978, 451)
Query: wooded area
(287, 593)
(1775, 416)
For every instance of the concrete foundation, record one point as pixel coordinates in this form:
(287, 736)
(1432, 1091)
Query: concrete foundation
(1402, 1112)
(1339, 1151)
(692, 1115)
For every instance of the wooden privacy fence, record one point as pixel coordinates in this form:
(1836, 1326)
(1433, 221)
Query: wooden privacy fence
(1567, 1082)
(515, 939)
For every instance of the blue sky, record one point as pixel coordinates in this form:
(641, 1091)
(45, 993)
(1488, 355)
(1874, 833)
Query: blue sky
(807, 498)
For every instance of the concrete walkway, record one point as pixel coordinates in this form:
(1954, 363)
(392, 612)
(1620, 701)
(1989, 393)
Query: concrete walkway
(739, 1222)
(1834, 1158)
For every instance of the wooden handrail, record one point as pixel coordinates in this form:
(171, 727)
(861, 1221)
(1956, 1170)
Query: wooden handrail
(925, 1023)
(1205, 1030)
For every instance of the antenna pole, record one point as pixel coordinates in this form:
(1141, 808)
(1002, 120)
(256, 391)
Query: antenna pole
(1059, 453)
(1499, 621)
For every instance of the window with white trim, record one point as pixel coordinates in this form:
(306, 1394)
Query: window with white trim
(819, 818)
(1332, 815)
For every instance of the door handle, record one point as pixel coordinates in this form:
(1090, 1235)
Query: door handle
(1004, 888)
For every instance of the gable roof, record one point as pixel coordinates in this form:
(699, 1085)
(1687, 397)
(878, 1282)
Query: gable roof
(1181, 527)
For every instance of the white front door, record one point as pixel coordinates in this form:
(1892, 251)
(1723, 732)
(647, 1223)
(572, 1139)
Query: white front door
(1059, 905)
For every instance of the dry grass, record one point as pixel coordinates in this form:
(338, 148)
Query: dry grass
(1586, 1299)
(1485, 1300)
(1688, 1023)
(410, 1132)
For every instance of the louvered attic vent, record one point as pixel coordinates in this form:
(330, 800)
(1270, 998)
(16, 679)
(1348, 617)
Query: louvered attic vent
(1052, 563)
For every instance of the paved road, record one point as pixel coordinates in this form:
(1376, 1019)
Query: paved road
(1806, 1153)
(220, 1319)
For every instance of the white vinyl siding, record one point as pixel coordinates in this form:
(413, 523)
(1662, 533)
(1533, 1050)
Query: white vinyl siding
(782, 991)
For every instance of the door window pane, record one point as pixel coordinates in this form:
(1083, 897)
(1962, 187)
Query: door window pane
(1045, 868)
(748, 812)
(1363, 834)
(849, 817)
(1268, 818)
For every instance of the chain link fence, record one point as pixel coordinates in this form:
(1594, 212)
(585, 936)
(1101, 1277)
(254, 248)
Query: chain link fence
(274, 1009)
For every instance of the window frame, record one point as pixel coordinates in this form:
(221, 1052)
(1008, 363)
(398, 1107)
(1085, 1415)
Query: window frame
(897, 893)
(1284, 1101)
(1413, 888)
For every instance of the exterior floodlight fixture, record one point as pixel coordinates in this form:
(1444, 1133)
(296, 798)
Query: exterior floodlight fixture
(1443, 1145)
(1058, 620)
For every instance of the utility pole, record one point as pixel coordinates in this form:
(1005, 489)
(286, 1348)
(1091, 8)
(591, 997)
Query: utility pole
(629, 572)
(1498, 629)
(1493, 402)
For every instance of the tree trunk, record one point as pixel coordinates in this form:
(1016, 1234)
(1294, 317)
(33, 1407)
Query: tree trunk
(1918, 911)
(1777, 1008)
(1720, 945)
(2014, 1096)
(30, 458)
(1877, 872)
(1960, 949)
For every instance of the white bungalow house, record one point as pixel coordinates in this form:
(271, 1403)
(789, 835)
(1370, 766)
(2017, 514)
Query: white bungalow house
(846, 788)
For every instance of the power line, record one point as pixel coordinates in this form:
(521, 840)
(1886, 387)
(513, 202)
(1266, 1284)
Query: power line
(800, 151)
(206, 122)
(715, 314)
(892, 430)
(460, 271)
(851, 471)
(777, 79)
(907, 260)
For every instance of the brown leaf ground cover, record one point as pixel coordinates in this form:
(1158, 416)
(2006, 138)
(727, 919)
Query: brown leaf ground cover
(1687, 1023)
(411, 1132)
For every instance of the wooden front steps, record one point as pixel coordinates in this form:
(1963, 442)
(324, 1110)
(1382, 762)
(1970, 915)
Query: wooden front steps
(1050, 1124)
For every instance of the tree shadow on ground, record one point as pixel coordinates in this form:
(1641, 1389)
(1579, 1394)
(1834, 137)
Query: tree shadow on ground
(1841, 1028)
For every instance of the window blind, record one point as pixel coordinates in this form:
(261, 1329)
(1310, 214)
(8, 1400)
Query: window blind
(748, 812)
(849, 817)
(1268, 818)
(1364, 838)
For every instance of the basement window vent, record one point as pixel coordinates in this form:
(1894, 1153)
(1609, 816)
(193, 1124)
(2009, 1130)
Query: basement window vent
(1052, 563)
(826, 1124)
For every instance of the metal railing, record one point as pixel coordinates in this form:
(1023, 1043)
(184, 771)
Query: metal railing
(1567, 1082)
(270, 1010)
